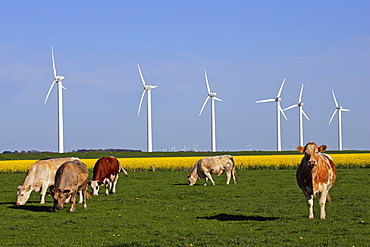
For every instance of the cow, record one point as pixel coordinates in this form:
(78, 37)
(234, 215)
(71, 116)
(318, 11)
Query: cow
(71, 176)
(203, 168)
(316, 174)
(39, 177)
(106, 171)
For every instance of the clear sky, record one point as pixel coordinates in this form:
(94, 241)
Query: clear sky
(247, 48)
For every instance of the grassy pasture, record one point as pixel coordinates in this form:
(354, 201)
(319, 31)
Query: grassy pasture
(266, 208)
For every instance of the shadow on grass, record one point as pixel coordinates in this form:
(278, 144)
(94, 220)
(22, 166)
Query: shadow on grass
(227, 217)
(32, 208)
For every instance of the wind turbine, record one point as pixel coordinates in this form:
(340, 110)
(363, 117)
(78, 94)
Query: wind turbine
(59, 80)
(213, 97)
(278, 111)
(338, 109)
(147, 88)
(195, 146)
(249, 146)
(301, 112)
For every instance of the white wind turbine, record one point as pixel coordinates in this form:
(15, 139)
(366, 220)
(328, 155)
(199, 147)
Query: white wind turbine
(213, 117)
(301, 112)
(147, 88)
(338, 109)
(195, 146)
(249, 146)
(278, 111)
(59, 80)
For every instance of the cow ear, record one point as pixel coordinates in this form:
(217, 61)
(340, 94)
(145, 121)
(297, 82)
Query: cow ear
(322, 148)
(300, 149)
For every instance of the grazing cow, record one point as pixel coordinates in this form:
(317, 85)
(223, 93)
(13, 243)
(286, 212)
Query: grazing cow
(316, 174)
(39, 177)
(71, 176)
(106, 171)
(203, 168)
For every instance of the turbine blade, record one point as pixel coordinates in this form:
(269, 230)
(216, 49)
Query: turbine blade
(300, 94)
(332, 116)
(335, 100)
(64, 87)
(265, 100)
(141, 75)
(281, 89)
(52, 58)
(282, 112)
(141, 101)
(208, 88)
(305, 115)
(47, 96)
(290, 107)
(218, 99)
(204, 104)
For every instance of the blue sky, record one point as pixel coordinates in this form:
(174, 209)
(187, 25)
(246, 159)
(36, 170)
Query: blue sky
(247, 48)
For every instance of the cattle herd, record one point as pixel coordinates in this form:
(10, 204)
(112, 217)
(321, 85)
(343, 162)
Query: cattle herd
(66, 177)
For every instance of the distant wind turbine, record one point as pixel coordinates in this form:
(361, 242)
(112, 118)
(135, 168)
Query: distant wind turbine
(213, 117)
(195, 146)
(278, 111)
(338, 109)
(59, 80)
(147, 88)
(250, 146)
(301, 112)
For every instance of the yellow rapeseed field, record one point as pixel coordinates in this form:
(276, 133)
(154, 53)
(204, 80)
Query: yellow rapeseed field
(361, 160)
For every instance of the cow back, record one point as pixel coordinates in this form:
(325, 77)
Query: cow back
(71, 175)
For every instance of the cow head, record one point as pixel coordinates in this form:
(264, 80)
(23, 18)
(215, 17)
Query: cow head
(23, 194)
(95, 187)
(60, 197)
(312, 153)
(192, 179)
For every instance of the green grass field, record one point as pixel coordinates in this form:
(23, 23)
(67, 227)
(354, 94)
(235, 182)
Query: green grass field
(266, 208)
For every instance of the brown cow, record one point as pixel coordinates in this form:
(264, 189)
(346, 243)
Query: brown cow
(106, 171)
(316, 174)
(39, 177)
(203, 168)
(70, 177)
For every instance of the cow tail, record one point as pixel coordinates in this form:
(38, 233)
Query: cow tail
(233, 170)
(124, 171)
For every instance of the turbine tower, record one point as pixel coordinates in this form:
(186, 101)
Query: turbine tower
(213, 117)
(338, 109)
(59, 80)
(147, 88)
(301, 112)
(278, 111)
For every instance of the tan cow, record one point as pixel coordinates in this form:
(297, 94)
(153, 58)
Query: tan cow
(39, 177)
(70, 177)
(203, 168)
(316, 174)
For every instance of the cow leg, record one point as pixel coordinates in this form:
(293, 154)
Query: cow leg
(228, 177)
(208, 175)
(73, 202)
(44, 188)
(114, 185)
(81, 196)
(310, 206)
(322, 202)
(84, 193)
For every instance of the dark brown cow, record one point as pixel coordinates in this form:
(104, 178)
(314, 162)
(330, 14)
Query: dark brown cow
(106, 171)
(70, 177)
(316, 174)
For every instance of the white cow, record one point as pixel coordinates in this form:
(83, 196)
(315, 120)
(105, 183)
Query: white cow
(39, 177)
(213, 165)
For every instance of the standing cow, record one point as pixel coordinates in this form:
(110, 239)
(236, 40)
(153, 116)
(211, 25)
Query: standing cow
(39, 177)
(316, 174)
(71, 176)
(203, 168)
(106, 171)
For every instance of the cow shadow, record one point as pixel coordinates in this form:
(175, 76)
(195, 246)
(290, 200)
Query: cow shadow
(32, 208)
(228, 217)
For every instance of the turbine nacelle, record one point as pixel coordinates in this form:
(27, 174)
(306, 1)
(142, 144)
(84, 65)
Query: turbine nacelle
(149, 87)
(59, 78)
